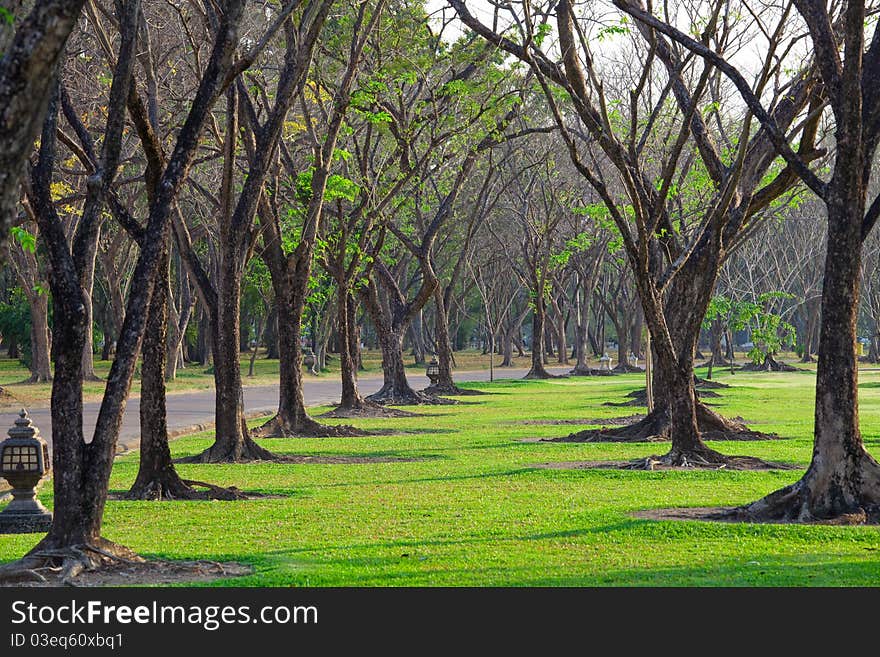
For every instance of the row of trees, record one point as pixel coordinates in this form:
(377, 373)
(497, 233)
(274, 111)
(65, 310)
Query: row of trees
(203, 162)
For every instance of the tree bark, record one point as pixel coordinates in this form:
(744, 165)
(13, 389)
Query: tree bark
(843, 480)
(157, 478)
(41, 367)
(28, 70)
(539, 312)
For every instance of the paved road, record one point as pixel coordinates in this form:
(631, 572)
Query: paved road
(194, 411)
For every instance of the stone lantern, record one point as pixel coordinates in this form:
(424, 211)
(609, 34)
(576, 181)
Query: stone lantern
(433, 371)
(24, 460)
(606, 363)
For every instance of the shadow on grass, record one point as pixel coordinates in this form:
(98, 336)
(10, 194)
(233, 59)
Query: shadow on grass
(414, 480)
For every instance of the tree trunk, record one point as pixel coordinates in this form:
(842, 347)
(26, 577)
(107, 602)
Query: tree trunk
(41, 367)
(157, 478)
(232, 440)
(445, 385)
(843, 480)
(537, 370)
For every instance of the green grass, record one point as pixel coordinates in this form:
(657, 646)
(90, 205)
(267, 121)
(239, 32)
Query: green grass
(474, 510)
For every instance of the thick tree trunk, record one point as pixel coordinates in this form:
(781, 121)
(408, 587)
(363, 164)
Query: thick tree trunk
(843, 480)
(291, 418)
(41, 367)
(157, 478)
(232, 440)
(561, 345)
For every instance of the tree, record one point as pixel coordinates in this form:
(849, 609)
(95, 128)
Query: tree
(82, 470)
(843, 479)
(681, 202)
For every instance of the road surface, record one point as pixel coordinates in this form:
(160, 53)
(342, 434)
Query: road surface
(194, 411)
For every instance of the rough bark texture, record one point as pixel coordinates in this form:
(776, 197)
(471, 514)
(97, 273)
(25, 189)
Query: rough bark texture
(27, 76)
(843, 480)
(82, 470)
(157, 478)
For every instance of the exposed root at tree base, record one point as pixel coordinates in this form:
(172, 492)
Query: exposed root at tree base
(543, 374)
(452, 390)
(407, 398)
(107, 564)
(639, 397)
(688, 462)
(590, 371)
(277, 427)
(366, 409)
(168, 490)
(626, 368)
(860, 516)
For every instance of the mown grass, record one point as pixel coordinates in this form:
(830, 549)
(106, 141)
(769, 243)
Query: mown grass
(473, 509)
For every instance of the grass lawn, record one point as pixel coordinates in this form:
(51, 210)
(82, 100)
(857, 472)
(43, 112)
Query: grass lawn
(472, 510)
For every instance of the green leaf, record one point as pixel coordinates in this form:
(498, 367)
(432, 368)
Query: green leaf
(27, 241)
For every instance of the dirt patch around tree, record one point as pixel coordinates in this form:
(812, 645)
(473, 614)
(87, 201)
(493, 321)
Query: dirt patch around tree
(736, 515)
(605, 421)
(371, 411)
(136, 573)
(654, 463)
(326, 459)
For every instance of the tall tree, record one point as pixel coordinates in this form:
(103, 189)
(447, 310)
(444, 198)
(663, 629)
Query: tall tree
(843, 479)
(81, 469)
(675, 250)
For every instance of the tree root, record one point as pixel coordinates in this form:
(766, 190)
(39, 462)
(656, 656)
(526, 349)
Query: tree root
(173, 488)
(229, 451)
(626, 368)
(279, 427)
(436, 391)
(770, 364)
(65, 563)
(830, 499)
(590, 371)
(708, 384)
(366, 409)
(389, 397)
(657, 427)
